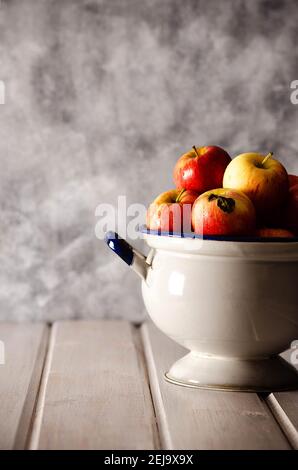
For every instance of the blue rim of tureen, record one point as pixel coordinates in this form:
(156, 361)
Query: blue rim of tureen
(227, 238)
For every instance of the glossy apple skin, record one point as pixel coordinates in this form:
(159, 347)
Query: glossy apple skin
(274, 232)
(203, 172)
(238, 218)
(293, 180)
(291, 210)
(266, 185)
(165, 214)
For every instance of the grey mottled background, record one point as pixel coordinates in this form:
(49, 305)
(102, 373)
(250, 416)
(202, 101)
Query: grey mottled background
(102, 97)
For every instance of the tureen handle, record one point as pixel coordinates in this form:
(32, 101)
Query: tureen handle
(131, 256)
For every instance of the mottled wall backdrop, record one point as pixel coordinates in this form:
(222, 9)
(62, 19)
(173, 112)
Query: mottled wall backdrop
(101, 98)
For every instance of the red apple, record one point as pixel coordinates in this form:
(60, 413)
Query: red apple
(291, 210)
(171, 211)
(223, 212)
(266, 232)
(263, 179)
(201, 169)
(293, 180)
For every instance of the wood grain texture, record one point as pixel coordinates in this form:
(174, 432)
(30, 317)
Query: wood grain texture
(201, 419)
(284, 405)
(95, 393)
(25, 348)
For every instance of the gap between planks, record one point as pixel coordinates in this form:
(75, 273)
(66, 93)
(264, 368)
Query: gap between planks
(284, 405)
(38, 411)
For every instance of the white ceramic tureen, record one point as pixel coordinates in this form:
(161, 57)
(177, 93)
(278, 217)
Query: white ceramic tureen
(232, 302)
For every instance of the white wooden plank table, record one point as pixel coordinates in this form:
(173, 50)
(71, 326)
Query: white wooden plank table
(25, 348)
(100, 385)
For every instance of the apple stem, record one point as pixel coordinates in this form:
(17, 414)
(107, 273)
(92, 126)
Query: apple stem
(180, 194)
(195, 149)
(267, 158)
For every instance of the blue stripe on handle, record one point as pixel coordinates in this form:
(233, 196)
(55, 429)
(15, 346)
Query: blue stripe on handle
(120, 247)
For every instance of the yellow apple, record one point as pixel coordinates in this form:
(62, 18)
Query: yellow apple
(263, 179)
(171, 211)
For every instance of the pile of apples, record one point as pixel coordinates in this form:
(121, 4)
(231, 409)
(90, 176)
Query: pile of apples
(251, 195)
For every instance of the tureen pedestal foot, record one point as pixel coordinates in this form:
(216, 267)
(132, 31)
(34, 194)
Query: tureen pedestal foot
(265, 375)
